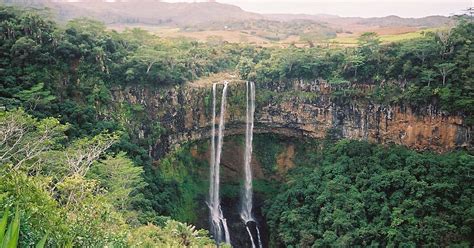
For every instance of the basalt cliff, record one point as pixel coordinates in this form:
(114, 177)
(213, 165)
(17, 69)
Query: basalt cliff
(312, 109)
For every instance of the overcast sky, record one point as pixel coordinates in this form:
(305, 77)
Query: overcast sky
(362, 8)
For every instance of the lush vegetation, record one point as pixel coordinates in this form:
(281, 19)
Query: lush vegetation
(70, 165)
(75, 193)
(356, 194)
(68, 71)
(434, 69)
(306, 30)
(74, 173)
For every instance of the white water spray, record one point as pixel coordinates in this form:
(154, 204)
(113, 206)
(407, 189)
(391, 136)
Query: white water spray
(250, 235)
(246, 211)
(247, 201)
(258, 235)
(218, 222)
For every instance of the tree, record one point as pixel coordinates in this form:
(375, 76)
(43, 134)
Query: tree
(36, 96)
(121, 178)
(354, 193)
(23, 138)
(57, 199)
(355, 61)
(369, 41)
(23, 50)
(444, 37)
(245, 67)
(444, 69)
(149, 56)
(173, 234)
(84, 152)
(423, 48)
(427, 75)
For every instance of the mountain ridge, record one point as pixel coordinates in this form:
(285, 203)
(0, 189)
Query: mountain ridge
(181, 14)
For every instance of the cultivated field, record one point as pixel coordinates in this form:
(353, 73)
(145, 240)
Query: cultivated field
(348, 38)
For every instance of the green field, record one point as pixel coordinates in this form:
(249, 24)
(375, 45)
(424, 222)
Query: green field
(352, 40)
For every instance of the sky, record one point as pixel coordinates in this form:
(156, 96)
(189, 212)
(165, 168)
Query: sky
(361, 8)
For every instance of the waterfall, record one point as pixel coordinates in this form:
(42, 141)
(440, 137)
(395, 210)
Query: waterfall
(247, 195)
(259, 239)
(246, 211)
(218, 222)
(250, 235)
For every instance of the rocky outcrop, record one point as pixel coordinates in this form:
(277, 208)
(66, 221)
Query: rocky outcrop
(300, 109)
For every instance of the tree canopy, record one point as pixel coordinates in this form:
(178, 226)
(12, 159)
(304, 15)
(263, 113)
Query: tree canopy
(356, 194)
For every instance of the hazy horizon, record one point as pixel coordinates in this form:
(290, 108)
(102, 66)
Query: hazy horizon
(352, 8)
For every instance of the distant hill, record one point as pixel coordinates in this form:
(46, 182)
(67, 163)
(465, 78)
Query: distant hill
(147, 12)
(206, 21)
(428, 22)
(388, 21)
(155, 12)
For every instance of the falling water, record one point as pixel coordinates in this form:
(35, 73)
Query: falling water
(246, 211)
(250, 235)
(218, 222)
(258, 235)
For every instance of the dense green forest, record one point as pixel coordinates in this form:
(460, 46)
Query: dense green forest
(356, 194)
(436, 69)
(73, 193)
(75, 176)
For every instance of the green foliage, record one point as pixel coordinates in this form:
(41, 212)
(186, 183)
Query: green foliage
(173, 234)
(25, 138)
(3, 225)
(269, 147)
(9, 237)
(121, 178)
(82, 61)
(69, 195)
(358, 194)
(42, 242)
(36, 96)
(245, 68)
(409, 72)
(79, 182)
(183, 172)
(236, 101)
(40, 212)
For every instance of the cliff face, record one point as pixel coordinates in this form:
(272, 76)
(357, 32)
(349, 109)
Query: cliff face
(300, 109)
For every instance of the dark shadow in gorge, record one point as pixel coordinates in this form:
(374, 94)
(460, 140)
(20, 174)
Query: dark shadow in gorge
(230, 203)
(239, 235)
(272, 157)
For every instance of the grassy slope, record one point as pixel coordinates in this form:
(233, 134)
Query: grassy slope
(235, 36)
(385, 38)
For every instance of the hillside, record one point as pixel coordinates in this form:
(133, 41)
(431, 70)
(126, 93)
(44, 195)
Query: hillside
(380, 25)
(149, 12)
(429, 21)
(155, 12)
(217, 22)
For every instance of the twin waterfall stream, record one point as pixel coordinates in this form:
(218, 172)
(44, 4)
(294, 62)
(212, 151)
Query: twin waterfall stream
(219, 228)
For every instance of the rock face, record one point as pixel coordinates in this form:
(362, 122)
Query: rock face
(299, 109)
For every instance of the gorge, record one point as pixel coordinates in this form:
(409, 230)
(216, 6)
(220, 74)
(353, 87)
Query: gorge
(301, 110)
(126, 138)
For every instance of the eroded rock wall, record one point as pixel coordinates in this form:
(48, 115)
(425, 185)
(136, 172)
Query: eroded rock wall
(298, 109)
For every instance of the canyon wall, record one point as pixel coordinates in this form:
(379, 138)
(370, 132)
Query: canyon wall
(300, 109)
